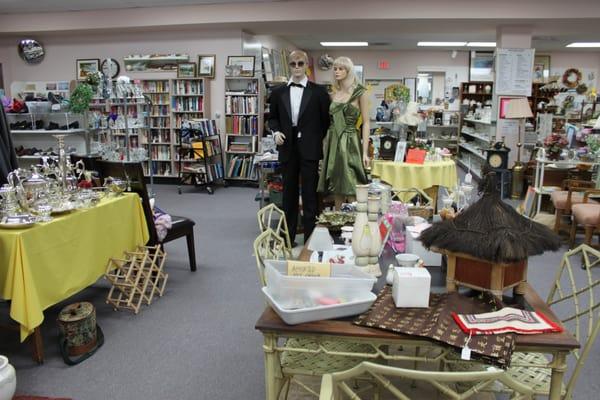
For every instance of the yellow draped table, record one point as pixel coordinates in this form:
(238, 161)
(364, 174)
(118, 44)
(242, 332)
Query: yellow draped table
(420, 176)
(49, 262)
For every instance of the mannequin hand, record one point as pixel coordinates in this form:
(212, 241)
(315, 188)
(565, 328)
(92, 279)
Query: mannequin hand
(279, 138)
(366, 161)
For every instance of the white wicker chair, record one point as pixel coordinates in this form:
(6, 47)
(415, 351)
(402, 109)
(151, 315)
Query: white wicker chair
(271, 216)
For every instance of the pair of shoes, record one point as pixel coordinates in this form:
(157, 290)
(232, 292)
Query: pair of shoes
(21, 125)
(52, 126)
(72, 125)
(39, 124)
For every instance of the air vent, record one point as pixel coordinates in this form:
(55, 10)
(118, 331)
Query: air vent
(379, 44)
(545, 38)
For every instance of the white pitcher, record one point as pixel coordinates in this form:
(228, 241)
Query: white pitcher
(8, 379)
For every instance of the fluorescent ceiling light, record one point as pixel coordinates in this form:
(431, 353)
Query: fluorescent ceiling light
(441, 44)
(344, 44)
(584, 44)
(481, 44)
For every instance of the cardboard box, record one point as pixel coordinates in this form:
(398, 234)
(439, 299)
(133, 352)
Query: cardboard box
(411, 287)
(414, 246)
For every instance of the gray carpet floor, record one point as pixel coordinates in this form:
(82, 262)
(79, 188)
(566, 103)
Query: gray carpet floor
(198, 341)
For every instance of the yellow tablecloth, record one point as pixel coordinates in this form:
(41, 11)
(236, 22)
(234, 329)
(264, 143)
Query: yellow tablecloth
(45, 264)
(420, 176)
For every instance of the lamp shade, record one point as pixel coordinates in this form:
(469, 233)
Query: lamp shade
(518, 108)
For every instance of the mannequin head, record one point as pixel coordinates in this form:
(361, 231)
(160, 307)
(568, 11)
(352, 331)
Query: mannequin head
(343, 73)
(298, 63)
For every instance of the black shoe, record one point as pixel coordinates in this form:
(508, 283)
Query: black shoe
(53, 126)
(39, 124)
(74, 125)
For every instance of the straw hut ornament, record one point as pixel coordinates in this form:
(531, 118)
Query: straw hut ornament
(488, 244)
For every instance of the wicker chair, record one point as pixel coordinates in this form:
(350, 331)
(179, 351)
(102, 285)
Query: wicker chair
(334, 386)
(573, 299)
(563, 200)
(271, 216)
(304, 356)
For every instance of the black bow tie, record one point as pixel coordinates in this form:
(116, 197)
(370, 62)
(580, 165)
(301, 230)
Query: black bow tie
(296, 85)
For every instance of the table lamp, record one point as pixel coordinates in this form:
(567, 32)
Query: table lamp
(518, 109)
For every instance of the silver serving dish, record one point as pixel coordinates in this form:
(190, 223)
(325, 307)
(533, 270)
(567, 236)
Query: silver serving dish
(17, 221)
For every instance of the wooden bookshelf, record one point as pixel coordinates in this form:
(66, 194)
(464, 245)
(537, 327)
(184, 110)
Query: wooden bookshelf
(244, 120)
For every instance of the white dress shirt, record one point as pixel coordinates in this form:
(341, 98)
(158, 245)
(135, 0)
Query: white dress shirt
(296, 98)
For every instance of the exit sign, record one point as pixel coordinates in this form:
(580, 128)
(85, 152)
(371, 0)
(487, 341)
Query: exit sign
(383, 64)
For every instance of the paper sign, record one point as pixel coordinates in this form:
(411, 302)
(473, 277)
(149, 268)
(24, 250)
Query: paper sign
(303, 268)
(416, 156)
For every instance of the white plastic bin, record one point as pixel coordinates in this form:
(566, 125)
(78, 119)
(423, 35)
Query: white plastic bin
(347, 283)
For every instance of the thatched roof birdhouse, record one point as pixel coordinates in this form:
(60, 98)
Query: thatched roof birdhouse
(487, 235)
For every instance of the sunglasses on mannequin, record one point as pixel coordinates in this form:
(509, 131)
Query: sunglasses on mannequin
(295, 64)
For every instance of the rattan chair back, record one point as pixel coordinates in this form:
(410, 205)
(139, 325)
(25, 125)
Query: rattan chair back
(271, 216)
(574, 299)
(338, 385)
(268, 246)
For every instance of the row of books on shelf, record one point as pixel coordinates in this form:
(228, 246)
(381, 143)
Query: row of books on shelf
(240, 144)
(202, 148)
(213, 172)
(237, 87)
(179, 119)
(188, 104)
(160, 136)
(241, 167)
(155, 86)
(160, 153)
(160, 123)
(241, 105)
(158, 98)
(189, 87)
(203, 127)
(241, 124)
(120, 140)
(159, 111)
(158, 168)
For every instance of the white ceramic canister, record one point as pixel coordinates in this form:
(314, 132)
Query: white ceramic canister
(8, 379)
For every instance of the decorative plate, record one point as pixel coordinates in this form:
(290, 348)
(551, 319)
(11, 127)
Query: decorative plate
(17, 222)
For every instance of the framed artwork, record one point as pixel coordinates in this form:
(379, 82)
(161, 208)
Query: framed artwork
(481, 66)
(186, 70)
(359, 71)
(246, 64)
(541, 68)
(527, 207)
(400, 151)
(206, 66)
(86, 66)
(411, 84)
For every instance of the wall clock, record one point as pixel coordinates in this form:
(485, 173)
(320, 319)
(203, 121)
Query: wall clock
(110, 68)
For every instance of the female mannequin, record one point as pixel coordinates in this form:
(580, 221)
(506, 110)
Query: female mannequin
(345, 158)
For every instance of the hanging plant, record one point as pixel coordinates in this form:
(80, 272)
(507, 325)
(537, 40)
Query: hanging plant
(81, 97)
(401, 93)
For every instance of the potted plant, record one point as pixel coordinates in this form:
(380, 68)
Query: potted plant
(554, 145)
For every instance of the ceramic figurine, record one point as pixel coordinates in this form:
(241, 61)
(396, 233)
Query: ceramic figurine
(8, 379)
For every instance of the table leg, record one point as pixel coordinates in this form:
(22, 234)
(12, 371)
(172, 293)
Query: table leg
(559, 366)
(37, 345)
(273, 377)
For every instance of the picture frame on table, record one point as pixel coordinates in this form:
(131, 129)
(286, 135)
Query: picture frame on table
(541, 68)
(206, 66)
(481, 66)
(245, 62)
(400, 151)
(86, 66)
(186, 70)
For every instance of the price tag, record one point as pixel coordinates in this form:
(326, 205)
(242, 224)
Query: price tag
(302, 268)
(465, 354)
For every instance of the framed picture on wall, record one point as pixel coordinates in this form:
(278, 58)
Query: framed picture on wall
(206, 66)
(246, 64)
(186, 70)
(359, 71)
(411, 84)
(541, 68)
(86, 66)
(481, 66)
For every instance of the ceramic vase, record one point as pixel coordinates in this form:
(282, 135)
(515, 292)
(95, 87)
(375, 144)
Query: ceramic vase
(8, 379)
(361, 235)
(373, 205)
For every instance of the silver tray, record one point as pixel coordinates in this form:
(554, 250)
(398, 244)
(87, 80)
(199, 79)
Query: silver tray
(62, 210)
(17, 222)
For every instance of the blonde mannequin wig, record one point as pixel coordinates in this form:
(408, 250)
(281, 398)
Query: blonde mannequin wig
(348, 65)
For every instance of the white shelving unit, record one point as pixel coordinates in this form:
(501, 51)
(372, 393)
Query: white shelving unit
(244, 121)
(476, 136)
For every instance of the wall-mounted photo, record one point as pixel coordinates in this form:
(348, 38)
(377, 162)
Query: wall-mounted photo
(541, 69)
(206, 66)
(359, 71)
(186, 70)
(84, 67)
(481, 66)
(246, 64)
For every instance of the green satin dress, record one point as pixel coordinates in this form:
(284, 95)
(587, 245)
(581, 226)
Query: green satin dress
(342, 166)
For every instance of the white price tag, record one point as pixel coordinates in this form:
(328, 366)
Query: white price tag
(465, 354)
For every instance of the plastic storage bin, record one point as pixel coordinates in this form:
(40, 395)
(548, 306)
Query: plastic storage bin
(347, 284)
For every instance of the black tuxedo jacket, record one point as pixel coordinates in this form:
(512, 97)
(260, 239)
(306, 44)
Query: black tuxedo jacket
(313, 121)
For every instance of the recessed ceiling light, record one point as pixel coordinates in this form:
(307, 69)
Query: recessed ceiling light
(481, 44)
(344, 44)
(441, 44)
(584, 44)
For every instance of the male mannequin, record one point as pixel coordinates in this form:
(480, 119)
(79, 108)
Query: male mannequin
(299, 118)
